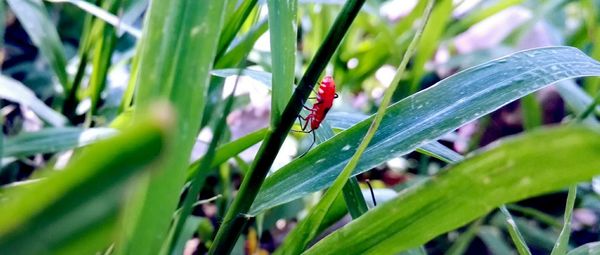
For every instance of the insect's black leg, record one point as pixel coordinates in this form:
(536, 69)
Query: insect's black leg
(372, 193)
(311, 145)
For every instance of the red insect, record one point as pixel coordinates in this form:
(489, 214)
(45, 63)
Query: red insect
(324, 101)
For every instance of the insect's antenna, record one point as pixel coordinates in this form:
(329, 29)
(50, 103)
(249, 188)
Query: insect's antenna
(311, 145)
(372, 193)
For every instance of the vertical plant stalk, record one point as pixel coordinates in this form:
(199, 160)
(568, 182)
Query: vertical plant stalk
(514, 233)
(231, 227)
(562, 244)
(204, 168)
(282, 30)
(177, 51)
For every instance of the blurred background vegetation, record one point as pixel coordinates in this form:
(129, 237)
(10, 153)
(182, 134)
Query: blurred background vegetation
(66, 83)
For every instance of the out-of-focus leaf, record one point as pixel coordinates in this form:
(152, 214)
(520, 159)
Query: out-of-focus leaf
(514, 232)
(104, 15)
(83, 200)
(470, 189)
(15, 91)
(282, 29)
(240, 49)
(586, 249)
(229, 150)
(53, 140)
(177, 50)
(431, 38)
(493, 239)
(260, 76)
(34, 18)
(427, 115)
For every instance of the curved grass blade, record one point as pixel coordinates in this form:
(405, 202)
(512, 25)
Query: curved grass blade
(86, 196)
(34, 18)
(423, 117)
(586, 249)
(53, 140)
(562, 243)
(173, 65)
(13, 90)
(103, 15)
(514, 233)
(471, 189)
(229, 150)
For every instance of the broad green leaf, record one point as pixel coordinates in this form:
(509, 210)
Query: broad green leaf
(515, 169)
(83, 198)
(33, 16)
(53, 140)
(586, 249)
(15, 91)
(426, 116)
(282, 29)
(178, 46)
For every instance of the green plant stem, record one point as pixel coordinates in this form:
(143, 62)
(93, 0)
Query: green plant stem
(229, 230)
(514, 232)
(590, 108)
(562, 244)
(204, 168)
(355, 202)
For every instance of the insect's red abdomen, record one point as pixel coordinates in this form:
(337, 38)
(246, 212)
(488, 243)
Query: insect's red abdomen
(325, 96)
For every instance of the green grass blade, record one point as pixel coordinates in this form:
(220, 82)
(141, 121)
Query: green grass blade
(355, 202)
(562, 244)
(493, 239)
(233, 25)
(229, 150)
(496, 176)
(241, 49)
(586, 249)
(84, 196)
(53, 140)
(475, 17)
(235, 219)
(204, 168)
(428, 45)
(461, 244)
(514, 233)
(531, 112)
(174, 65)
(282, 29)
(441, 152)
(13, 90)
(33, 16)
(101, 61)
(422, 118)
